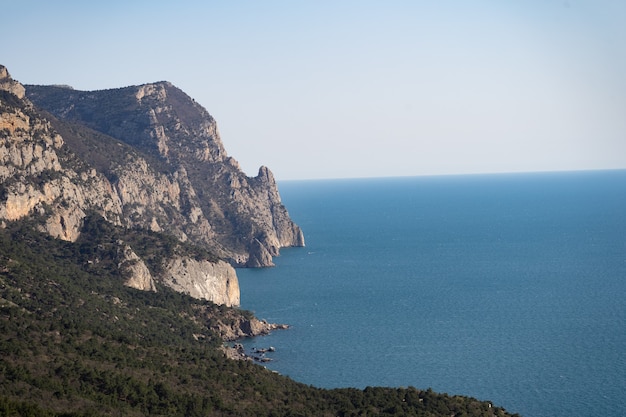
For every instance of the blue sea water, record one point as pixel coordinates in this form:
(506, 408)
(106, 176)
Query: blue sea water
(509, 288)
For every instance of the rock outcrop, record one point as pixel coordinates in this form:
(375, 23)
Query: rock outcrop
(139, 276)
(213, 281)
(10, 85)
(143, 157)
(38, 174)
(178, 177)
(245, 327)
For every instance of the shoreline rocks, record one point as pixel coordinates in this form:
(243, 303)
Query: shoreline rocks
(249, 328)
(237, 351)
(241, 328)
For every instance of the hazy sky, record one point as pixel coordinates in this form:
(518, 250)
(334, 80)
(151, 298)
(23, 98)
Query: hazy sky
(319, 89)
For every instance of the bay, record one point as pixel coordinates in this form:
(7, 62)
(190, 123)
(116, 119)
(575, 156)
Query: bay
(506, 287)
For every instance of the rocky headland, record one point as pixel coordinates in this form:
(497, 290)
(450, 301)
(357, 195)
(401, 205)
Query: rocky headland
(122, 220)
(145, 158)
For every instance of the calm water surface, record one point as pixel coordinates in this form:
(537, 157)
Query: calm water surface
(509, 288)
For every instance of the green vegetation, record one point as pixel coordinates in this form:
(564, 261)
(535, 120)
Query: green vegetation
(75, 342)
(98, 246)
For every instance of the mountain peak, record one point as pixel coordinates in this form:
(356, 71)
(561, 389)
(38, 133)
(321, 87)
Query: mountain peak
(180, 179)
(8, 84)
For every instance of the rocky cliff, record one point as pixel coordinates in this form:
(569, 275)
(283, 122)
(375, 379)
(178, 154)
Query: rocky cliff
(147, 158)
(179, 178)
(40, 176)
(198, 278)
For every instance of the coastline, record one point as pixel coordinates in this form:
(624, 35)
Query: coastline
(243, 328)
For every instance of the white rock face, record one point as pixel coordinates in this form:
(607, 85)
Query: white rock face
(34, 179)
(8, 84)
(67, 198)
(140, 276)
(216, 282)
(160, 202)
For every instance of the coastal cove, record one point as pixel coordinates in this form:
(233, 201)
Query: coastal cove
(506, 287)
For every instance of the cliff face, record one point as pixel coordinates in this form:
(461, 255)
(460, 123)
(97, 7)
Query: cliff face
(199, 278)
(180, 179)
(39, 176)
(145, 157)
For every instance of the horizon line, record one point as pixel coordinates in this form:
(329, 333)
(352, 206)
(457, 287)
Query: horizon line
(468, 174)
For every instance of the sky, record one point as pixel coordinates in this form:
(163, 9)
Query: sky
(345, 89)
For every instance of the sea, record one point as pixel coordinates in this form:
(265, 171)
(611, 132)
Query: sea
(509, 288)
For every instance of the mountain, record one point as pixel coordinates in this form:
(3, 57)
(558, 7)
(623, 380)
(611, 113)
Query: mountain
(145, 157)
(121, 218)
(179, 178)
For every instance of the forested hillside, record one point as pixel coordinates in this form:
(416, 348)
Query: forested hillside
(74, 341)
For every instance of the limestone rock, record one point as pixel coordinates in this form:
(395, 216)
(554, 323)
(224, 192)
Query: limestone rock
(8, 84)
(146, 157)
(178, 177)
(139, 276)
(39, 176)
(216, 282)
(259, 254)
(237, 327)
